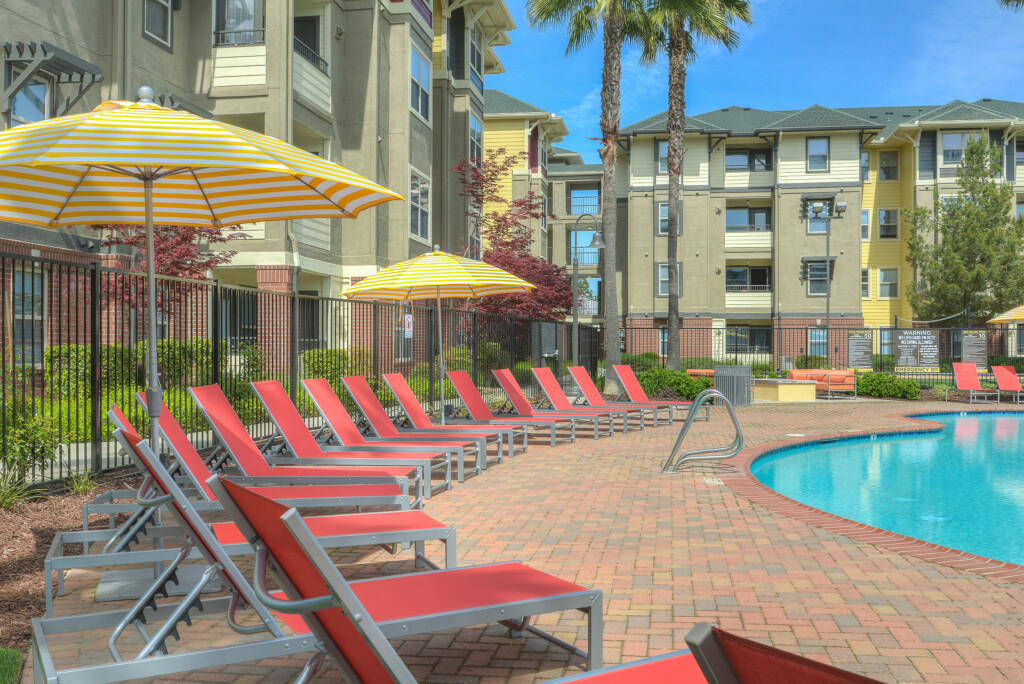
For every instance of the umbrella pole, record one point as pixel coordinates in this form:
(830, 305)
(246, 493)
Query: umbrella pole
(154, 395)
(440, 338)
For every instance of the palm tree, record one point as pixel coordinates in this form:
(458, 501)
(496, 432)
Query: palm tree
(1012, 4)
(682, 24)
(622, 20)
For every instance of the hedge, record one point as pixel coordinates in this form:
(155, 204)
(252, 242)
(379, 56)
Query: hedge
(685, 386)
(642, 362)
(887, 385)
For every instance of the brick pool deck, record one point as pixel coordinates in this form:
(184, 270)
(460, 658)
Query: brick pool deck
(672, 550)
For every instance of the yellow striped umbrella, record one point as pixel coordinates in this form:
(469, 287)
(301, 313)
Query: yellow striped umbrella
(136, 162)
(1011, 316)
(437, 274)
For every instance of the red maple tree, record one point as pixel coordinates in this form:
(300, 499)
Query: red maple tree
(502, 227)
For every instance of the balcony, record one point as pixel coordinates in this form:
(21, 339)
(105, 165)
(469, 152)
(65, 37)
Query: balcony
(310, 55)
(585, 256)
(239, 59)
(752, 236)
(589, 307)
(584, 204)
(748, 296)
(240, 37)
(309, 76)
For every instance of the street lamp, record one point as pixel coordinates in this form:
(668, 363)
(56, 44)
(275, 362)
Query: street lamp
(597, 242)
(818, 209)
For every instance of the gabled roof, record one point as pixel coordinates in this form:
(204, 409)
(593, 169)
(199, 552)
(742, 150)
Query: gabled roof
(818, 117)
(740, 120)
(889, 117)
(497, 102)
(958, 110)
(1014, 109)
(659, 122)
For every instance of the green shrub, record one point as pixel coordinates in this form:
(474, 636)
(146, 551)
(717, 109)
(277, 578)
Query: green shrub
(1016, 361)
(684, 385)
(887, 385)
(522, 371)
(884, 363)
(642, 362)
(702, 362)
(945, 365)
(329, 364)
(687, 386)
(654, 380)
(491, 355)
(66, 367)
(762, 367)
(814, 361)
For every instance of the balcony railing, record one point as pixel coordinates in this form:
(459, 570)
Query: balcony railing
(243, 37)
(755, 228)
(310, 55)
(585, 256)
(748, 288)
(589, 307)
(584, 205)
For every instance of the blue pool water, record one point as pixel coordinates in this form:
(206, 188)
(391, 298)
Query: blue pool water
(962, 487)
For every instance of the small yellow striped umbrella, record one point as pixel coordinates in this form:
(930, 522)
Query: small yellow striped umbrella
(437, 274)
(1011, 316)
(137, 162)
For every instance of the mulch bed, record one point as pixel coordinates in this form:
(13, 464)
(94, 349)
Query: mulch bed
(27, 532)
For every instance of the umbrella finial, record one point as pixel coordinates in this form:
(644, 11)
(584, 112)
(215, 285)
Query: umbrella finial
(146, 95)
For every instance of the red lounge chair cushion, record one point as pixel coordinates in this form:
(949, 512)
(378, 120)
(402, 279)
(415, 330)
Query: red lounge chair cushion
(475, 404)
(680, 669)
(313, 472)
(329, 491)
(553, 391)
(755, 662)
(966, 376)
(334, 412)
(338, 525)
(1006, 378)
(636, 393)
(587, 386)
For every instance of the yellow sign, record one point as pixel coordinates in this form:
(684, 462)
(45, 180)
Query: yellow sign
(917, 369)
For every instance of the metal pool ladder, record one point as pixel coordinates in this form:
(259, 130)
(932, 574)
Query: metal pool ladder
(673, 463)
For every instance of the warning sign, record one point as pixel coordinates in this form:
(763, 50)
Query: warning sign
(917, 351)
(408, 326)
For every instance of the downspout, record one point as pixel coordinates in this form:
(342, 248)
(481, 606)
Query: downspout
(776, 303)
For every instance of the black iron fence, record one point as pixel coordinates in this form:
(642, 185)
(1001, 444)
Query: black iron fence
(72, 342)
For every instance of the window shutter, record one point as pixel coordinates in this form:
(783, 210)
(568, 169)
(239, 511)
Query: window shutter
(457, 43)
(1010, 160)
(926, 156)
(533, 153)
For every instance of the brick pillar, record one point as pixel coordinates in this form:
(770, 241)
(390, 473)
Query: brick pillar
(274, 314)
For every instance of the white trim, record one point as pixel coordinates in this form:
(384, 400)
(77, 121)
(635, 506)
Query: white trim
(169, 43)
(862, 238)
(896, 283)
(430, 220)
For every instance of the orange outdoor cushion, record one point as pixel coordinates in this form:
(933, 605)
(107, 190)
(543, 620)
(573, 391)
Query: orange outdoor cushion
(841, 380)
(704, 372)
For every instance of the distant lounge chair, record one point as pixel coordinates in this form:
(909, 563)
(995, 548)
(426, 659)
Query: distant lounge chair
(593, 396)
(480, 414)
(1007, 381)
(632, 389)
(521, 404)
(966, 376)
(552, 390)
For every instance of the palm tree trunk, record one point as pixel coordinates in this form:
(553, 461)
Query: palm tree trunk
(676, 125)
(611, 81)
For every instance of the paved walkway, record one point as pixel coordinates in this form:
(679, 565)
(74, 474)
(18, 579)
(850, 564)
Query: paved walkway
(669, 551)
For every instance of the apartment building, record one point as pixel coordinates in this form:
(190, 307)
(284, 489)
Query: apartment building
(753, 255)
(392, 90)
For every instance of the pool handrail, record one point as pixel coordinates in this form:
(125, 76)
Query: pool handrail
(672, 464)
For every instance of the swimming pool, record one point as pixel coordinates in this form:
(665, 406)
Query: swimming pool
(961, 487)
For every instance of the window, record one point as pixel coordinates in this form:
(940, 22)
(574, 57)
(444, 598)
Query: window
(543, 156)
(662, 218)
(817, 279)
(663, 280)
(661, 152)
(748, 279)
(403, 344)
(476, 58)
(1020, 209)
(747, 340)
(420, 101)
(419, 206)
(817, 342)
(307, 32)
(817, 224)
(748, 160)
(1020, 153)
(953, 146)
(28, 317)
(584, 199)
(886, 343)
(865, 283)
(663, 341)
(239, 22)
(817, 154)
(739, 219)
(865, 224)
(158, 21)
(889, 165)
(31, 103)
(888, 283)
(888, 224)
(476, 138)
(865, 167)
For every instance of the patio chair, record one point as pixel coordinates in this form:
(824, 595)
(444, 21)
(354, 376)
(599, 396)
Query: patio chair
(383, 429)
(247, 457)
(480, 414)
(593, 396)
(725, 658)
(354, 620)
(966, 377)
(301, 447)
(1008, 381)
(556, 398)
(632, 389)
(501, 434)
(521, 404)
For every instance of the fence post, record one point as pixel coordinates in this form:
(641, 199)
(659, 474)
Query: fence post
(431, 327)
(512, 343)
(375, 337)
(293, 342)
(95, 418)
(215, 315)
(476, 346)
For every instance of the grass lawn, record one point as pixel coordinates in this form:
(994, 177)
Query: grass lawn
(10, 665)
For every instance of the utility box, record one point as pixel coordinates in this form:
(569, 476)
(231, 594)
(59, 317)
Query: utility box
(735, 383)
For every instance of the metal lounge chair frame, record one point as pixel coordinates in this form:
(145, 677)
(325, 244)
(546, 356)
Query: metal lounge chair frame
(593, 397)
(1007, 381)
(301, 448)
(520, 403)
(417, 418)
(457, 598)
(632, 389)
(476, 409)
(380, 425)
(240, 448)
(966, 377)
(556, 399)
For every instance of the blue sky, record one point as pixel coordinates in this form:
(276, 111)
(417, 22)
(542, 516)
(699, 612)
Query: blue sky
(796, 53)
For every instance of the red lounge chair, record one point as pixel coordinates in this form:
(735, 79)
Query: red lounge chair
(1007, 381)
(354, 620)
(301, 447)
(552, 390)
(966, 375)
(632, 389)
(478, 412)
(521, 404)
(235, 439)
(593, 396)
(380, 423)
(418, 418)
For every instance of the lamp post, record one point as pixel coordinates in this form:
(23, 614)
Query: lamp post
(819, 211)
(597, 243)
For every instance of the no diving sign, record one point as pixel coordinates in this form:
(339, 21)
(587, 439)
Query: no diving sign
(407, 319)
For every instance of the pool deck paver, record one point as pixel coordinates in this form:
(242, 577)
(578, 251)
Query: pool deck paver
(672, 550)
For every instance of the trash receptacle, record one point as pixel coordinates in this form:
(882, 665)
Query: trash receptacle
(734, 382)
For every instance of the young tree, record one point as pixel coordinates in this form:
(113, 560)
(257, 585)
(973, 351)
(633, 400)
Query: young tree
(503, 228)
(967, 253)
